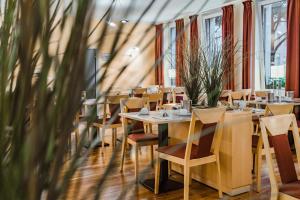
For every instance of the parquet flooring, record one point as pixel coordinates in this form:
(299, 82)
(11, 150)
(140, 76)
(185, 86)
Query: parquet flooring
(122, 185)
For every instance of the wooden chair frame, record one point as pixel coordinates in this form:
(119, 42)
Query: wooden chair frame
(167, 90)
(154, 98)
(247, 94)
(226, 93)
(277, 125)
(176, 91)
(112, 99)
(139, 91)
(126, 104)
(271, 109)
(205, 116)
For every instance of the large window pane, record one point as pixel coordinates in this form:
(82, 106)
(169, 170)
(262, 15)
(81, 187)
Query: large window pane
(213, 30)
(274, 37)
(172, 66)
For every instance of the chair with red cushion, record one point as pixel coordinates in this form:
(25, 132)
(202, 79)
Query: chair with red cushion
(134, 132)
(111, 118)
(257, 147)
(178, 94)
(204, 152)
(167, 94)
(276, 129)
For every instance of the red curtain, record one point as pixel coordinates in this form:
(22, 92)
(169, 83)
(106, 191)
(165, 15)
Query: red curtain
(228, 42)
(159, 69)
(194, 37)
(180, 48)
(293, 47)
(247, 38)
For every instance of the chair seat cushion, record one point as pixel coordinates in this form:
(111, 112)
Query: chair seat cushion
(142, 137)
(178, 150)
(292, 189)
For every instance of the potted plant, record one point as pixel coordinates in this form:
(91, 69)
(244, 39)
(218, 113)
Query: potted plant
(191, 75)
(215, 70)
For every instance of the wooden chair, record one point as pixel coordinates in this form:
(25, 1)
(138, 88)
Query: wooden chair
(154, 100)
(138, 92)
(167, 94)
(257, 146)
(247, 94)
(262, 94)
(178, 94)
(225, 97)
(134, 132)
(111, 118)
(275, 129)
(188, 154)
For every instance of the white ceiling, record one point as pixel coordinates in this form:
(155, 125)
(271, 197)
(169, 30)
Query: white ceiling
(174, 9)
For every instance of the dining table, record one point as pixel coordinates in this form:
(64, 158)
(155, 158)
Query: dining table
(156, 118)
(236, 148)
(295, 102)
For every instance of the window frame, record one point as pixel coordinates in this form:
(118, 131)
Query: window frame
(167, 51)
(205, 16)
(259, 41)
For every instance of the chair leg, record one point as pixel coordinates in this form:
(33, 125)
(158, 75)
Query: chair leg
(76, 139)
(157, 174)
(169, 168)
(116, 137)
(113, 137)
(151, 149)
(102, 137)
(190, 179)
(136, 164)
(186, 182)
(124, 146)
(258, 161)
(150, 128)
(219, 178)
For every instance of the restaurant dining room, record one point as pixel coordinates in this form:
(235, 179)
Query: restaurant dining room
(149, 99)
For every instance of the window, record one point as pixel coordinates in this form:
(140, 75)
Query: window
(172, 66)
(274, 28)
(213, 30)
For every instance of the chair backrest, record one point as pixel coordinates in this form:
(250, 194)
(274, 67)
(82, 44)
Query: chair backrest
(247, 94)
(278, 109)
(167, 93)
(138, 92)
(178, 94)
(237, 95)
(275, 129)
(210, 133)
(154, 100)
(112, 102)
(226, 97)
(262, 93)
(132, 105)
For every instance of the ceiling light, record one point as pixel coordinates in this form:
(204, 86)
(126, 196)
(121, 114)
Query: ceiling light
(124, 21)
(112, 24)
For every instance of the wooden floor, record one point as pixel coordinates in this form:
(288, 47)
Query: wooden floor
(122, 185)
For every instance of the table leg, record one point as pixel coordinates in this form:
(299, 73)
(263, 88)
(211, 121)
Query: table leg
(166, 184)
